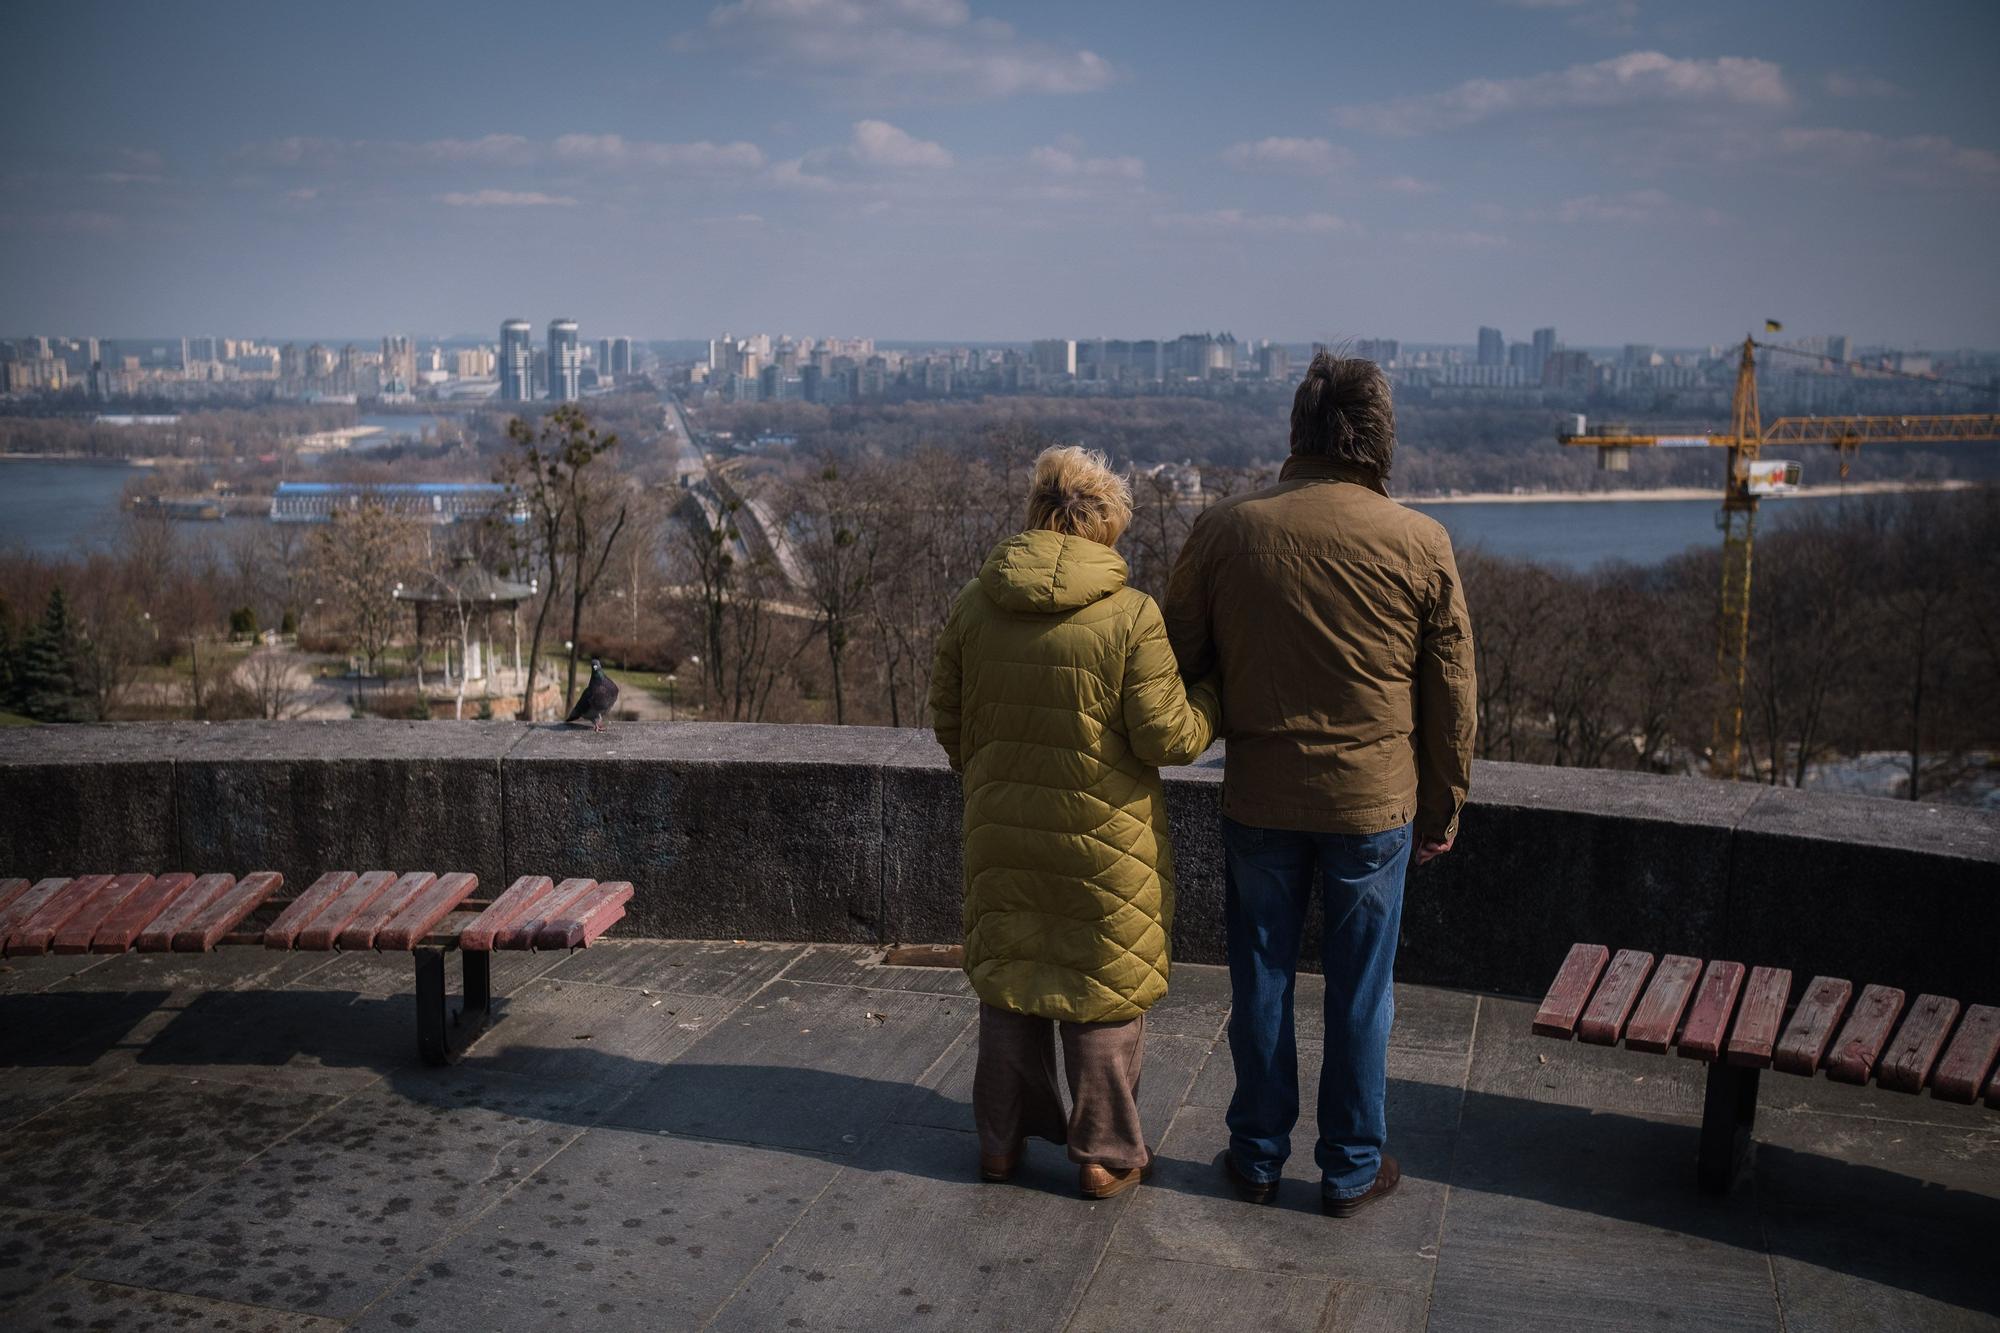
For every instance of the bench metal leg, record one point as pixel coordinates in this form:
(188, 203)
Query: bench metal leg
(1728, 1113)
(442, 1035)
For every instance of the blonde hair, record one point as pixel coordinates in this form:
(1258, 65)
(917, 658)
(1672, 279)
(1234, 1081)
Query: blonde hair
(1075, 492)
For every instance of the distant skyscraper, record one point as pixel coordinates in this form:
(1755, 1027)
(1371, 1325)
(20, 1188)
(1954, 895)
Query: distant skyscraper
(1492, 348)
(621, 356)
(1545, 347)
(604, 358)
(517, 360)
(565, 362)
(399, 361)
(1054, 356)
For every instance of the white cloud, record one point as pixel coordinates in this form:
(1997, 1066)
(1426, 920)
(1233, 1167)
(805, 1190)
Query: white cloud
(1408, 185)
(616, 150)
(1638, 78)
(1627, 208)
(611, 151)
(1855, 83)
(1457, 238)
(877, 143)
(1919, 159)
(1307, 157)
(1068, 159)
(1234, 221)
(506, 199)
(889, 51)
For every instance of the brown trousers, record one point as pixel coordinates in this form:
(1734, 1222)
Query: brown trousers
(1014, 1092)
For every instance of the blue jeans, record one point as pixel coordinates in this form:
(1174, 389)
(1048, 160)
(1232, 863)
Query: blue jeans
(1270, 877)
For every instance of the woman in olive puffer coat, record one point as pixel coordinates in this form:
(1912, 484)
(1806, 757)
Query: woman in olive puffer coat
(1057, 697)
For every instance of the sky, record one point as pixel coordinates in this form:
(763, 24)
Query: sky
(1664, 171)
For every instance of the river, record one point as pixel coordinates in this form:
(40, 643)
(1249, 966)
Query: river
(54, 506)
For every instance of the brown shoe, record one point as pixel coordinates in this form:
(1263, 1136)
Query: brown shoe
(1248, 1190)
(999, 1169)
(1386, 1180)
(1102, 1182)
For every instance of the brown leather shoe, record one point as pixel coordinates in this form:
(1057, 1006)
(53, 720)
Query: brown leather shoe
(1102, 1182)
(1248, 1190)
(1386, 1180)
(998, 1169)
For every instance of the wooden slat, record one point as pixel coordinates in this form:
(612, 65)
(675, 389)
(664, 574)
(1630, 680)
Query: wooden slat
(422, 913)
(40, 928)
(1707, 1025)
(228, 910)
(520, 897)
(1570, 991)
(1812, 1027)
(521, 935)
(1605, 1016)
(77, 932)
(359, 933)
(349, 903)
(1854, 1052)
(1970, 1057)
(300, 911)
(1658, 1016)
(1755, 1034)
(122, 927)
(10, 889)
(588, 916)
(158, 934)
(26, 903)
(1908, 1062)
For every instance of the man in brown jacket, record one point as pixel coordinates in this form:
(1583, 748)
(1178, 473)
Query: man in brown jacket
(1336, 618)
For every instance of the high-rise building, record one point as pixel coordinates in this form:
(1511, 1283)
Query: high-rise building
(1545, 347)
(1492, 348)
(1274, 363)
(621, 356)
(565, 362)
(517, 360)
(399, 361)
(1054, 356)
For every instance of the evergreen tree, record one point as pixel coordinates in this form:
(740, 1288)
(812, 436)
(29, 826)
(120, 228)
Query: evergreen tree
(46, 678)
(10, 653)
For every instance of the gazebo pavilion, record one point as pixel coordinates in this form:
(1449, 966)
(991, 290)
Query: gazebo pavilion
(464, 599)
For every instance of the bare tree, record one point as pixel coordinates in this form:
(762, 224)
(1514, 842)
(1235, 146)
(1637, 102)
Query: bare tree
(359, 559)
(550, 469)
(271, 677)
(838, 515)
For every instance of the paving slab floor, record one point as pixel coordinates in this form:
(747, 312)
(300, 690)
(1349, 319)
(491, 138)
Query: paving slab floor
(672, 1134)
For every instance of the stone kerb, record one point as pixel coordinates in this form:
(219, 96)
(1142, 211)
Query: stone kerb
(852, 834)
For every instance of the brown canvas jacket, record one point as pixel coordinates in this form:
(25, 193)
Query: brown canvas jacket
(1337, 621)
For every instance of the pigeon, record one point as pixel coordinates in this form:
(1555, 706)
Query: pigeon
(596, 699)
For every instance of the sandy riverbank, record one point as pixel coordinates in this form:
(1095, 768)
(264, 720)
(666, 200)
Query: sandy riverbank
(1682, 493)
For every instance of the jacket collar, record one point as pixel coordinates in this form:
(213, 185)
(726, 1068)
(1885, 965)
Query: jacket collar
(1318, 467)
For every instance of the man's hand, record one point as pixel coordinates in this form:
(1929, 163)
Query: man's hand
(1430, 851)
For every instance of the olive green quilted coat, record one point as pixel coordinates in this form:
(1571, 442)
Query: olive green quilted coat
(1056, 695)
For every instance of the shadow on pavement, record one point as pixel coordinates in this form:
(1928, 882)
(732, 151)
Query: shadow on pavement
(1560, 1163)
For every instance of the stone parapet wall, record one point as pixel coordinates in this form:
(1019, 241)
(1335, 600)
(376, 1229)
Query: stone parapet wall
(852, 834)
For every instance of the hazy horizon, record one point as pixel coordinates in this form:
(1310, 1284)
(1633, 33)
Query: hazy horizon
(1623, 170)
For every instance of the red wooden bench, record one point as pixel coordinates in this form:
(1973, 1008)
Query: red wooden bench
(1735, 1021)
(416, 912)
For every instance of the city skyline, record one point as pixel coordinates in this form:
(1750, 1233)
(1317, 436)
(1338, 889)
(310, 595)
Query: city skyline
(936, 171)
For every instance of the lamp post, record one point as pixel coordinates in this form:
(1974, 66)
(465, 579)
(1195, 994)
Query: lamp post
(671, 685)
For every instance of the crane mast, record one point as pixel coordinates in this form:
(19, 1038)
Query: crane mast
(1745, 439)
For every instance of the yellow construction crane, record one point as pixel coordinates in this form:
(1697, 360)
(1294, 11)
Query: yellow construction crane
(1751, 477)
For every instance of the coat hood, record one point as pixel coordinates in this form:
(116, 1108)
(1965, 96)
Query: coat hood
(1050, 572)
